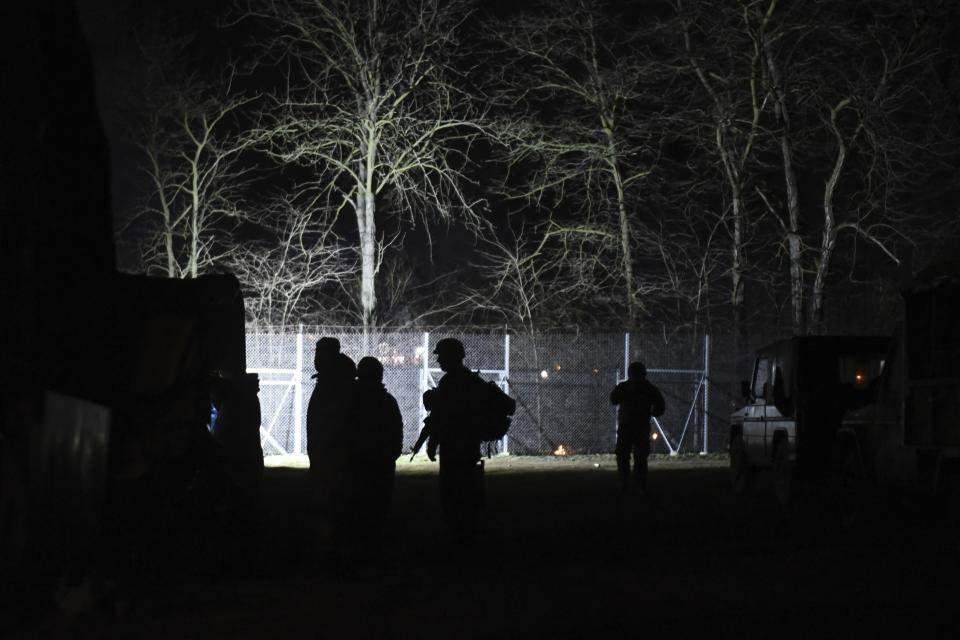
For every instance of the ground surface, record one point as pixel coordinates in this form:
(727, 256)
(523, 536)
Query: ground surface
(561, 554)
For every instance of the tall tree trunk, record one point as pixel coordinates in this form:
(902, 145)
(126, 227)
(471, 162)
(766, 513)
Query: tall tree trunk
(736, 266)
(194, 214)
(624, 223)
(168, 247)
(366, 211)
(820, 278)
(156, 177)
(794, 244)
(829, 235)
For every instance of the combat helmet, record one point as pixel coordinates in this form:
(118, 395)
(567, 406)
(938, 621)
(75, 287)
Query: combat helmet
(451, 347)
(636, 370)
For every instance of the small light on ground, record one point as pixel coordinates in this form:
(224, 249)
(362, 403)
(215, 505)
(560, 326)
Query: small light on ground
(544, 374)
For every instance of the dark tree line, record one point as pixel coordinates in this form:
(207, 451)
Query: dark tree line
(736, 166)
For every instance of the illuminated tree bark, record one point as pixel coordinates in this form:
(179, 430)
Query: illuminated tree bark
(592, 154)
(292, 271)
(190, 144)
(371, 109)
(735, 97)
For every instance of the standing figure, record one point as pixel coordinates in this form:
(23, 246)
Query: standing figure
(637, 399)
(376, 441)
(452, 405)
(328, 415)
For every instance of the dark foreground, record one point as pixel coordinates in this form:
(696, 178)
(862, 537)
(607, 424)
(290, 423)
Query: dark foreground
(561, 555)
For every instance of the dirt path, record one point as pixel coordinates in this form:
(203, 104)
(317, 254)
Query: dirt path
(561, 555)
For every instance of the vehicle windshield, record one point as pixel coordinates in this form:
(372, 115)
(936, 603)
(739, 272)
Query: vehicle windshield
(859, 369)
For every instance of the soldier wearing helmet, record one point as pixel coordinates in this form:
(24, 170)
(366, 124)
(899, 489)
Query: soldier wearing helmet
(637, 400)
(449, 404)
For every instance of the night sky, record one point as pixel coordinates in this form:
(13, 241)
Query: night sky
(687, 178)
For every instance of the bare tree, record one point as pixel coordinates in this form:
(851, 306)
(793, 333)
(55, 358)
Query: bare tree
(191, 146)
(856, 89)
(723, 50)
(577, 96)
(867, 111)
(542, 274)
(293, 267)
(373, 113)
(693, 255)
(539, 276)
(769, 41)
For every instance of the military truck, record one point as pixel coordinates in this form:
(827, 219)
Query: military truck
(106, 380)
(908, 437)
(804, 392)
(860, 416)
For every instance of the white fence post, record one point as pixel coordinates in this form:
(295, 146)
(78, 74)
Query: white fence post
(506, 382)
(298, 395)
(424, 376)
(626, 353)
(706, 391)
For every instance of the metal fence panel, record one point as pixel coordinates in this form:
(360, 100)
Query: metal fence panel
(561, 382)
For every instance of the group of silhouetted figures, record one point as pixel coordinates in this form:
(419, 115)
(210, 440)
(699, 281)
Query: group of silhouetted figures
(355, 435)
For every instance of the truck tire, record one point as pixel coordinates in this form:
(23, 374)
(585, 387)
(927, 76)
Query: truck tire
(783, 472)
(742, 475)
(851, 487)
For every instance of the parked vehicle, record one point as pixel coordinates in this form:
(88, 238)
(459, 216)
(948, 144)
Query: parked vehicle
(859, 415)
(803, 392)
(909, 436)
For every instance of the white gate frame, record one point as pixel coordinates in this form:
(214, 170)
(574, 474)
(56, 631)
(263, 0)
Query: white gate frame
(702, 384)
(292, 381)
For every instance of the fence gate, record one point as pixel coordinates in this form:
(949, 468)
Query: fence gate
(281, 406)
(699, 402)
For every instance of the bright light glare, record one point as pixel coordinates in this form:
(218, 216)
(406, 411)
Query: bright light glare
(544, 374)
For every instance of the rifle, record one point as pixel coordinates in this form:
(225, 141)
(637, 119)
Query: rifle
(424, 435)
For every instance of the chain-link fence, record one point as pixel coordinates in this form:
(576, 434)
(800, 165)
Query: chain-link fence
(561, 382)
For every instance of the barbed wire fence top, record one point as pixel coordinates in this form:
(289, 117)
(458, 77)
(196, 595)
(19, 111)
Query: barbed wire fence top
(562, 384)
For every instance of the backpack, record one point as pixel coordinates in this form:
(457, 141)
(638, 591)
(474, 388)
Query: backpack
(492, 409)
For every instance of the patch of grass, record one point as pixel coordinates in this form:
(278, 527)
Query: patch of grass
(514, 464)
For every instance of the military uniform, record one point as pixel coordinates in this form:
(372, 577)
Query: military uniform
(637, 399)
(328, 417)
(376, 437)
(450, 405)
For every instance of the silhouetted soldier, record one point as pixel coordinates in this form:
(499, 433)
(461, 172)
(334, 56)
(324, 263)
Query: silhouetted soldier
(450, 431)
(327, 409)
(637, 399)
(328, 415)
(376, 439)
